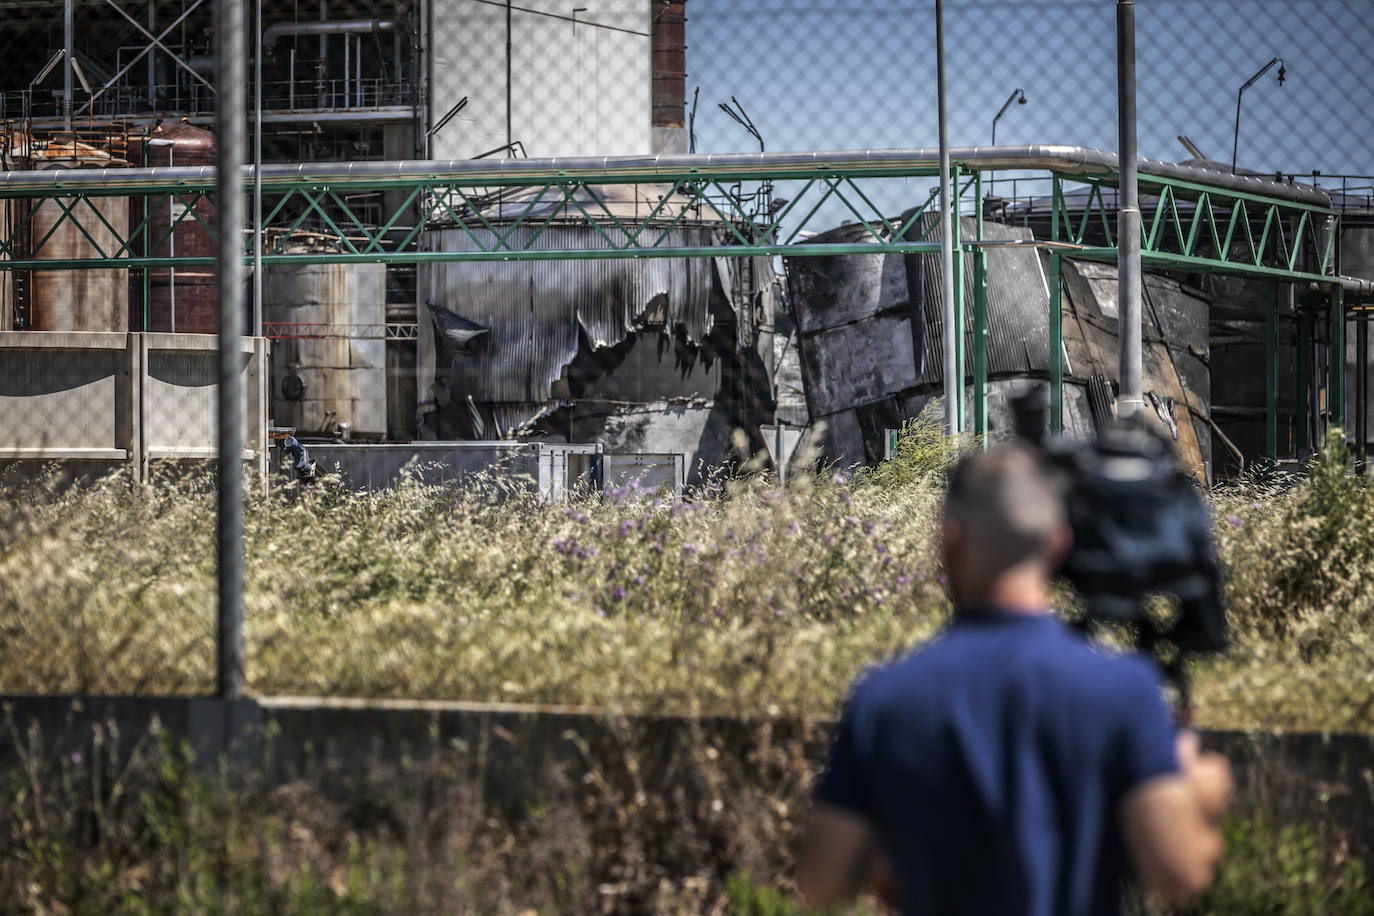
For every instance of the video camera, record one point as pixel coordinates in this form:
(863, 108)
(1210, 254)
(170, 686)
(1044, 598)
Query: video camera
(1140, 528)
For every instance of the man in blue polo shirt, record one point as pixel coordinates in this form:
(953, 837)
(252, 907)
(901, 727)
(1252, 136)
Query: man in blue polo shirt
(1010, 767)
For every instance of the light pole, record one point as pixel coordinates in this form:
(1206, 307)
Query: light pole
(1235, 140)
(1016, 96)
(1130, 400)
(953, 383)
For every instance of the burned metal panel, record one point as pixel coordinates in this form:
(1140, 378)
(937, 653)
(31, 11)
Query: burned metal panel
(536, 310)
(1175, 370)
(831, 291)
(856, 343)
(858, 364)
(1017, 301)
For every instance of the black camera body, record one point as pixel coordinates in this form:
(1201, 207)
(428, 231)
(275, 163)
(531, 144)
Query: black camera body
(1140, 528)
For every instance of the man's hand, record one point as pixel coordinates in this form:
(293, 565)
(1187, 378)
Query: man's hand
(1170, 823)
(837, 856)
(1209, 773)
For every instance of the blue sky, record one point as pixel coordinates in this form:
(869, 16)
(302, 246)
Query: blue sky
(861, 73)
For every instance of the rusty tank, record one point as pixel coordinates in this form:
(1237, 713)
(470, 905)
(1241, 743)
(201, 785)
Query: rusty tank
(77, 300)
(180, 299)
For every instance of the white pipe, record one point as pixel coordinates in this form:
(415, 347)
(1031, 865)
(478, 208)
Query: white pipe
(1063, 160)
(275, 32)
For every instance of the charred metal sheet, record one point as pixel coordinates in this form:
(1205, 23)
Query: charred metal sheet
(831, 291)
(1175, 354)
(857, 364)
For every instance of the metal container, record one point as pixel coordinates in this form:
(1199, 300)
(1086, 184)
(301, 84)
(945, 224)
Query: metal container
(329, 352)
(78, 300)
(181, 299)
(554, 471)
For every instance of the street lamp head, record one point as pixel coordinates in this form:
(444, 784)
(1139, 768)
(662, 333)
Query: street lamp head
(1022, 99)
(1283, 74)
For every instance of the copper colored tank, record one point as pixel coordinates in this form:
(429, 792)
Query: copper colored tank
(181, 299)
(78, 300)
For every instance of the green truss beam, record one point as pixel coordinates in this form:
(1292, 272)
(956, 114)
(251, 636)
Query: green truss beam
(1189, 225)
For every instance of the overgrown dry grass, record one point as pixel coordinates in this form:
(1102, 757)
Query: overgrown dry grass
(745, 600)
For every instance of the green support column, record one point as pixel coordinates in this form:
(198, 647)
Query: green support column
(1336, 367)
(960, 344)
(1056, 318)
(1302, 376)
(980, 321)
(1271, 376)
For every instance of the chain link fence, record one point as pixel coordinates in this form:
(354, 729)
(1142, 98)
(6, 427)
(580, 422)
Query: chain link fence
(618, 373)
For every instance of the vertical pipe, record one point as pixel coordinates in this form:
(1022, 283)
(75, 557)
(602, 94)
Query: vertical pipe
(1336, 362)
(953, 383)
(229, 128)
(257, 176)
(152, 56)
(1271, 376)
(960, 327)
(1301, 374)
(1130, 402)
(172, 247)
(147, 247)
(68, 38)
(980, 319)
(347, 70)
(1362, 389)
(1056, 316)
(320, 72)
(509, 138)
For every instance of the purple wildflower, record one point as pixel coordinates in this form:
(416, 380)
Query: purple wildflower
(1235, 521)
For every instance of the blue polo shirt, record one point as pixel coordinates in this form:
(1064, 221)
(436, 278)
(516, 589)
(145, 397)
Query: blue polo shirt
(991, 764)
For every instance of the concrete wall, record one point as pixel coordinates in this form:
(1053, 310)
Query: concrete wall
(1300, 778)
(111, 400)
(576, 89)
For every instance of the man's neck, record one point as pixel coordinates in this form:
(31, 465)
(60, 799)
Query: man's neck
(1017, 591)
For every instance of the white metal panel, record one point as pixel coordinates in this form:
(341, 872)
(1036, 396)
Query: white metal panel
(645, 474)
(577, 89)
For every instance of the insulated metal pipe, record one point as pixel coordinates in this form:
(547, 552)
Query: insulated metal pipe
(953, 384)
(1063, 160)
(229, 129)
(275, 32)
(257, 178)
(1130, 400)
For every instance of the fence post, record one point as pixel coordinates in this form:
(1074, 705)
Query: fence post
(1271, 376)
(229, 129)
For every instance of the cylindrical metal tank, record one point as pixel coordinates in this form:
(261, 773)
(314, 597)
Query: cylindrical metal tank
(181, 299)
(329, 355)
(78, 300)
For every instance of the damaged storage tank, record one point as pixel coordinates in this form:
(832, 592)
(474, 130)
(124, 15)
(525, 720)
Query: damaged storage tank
(640, 355)
(870, 335)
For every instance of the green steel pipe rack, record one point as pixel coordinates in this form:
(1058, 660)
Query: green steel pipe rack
(1195, 220)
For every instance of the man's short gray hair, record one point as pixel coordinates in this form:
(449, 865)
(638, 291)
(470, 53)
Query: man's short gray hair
(1008, 506)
